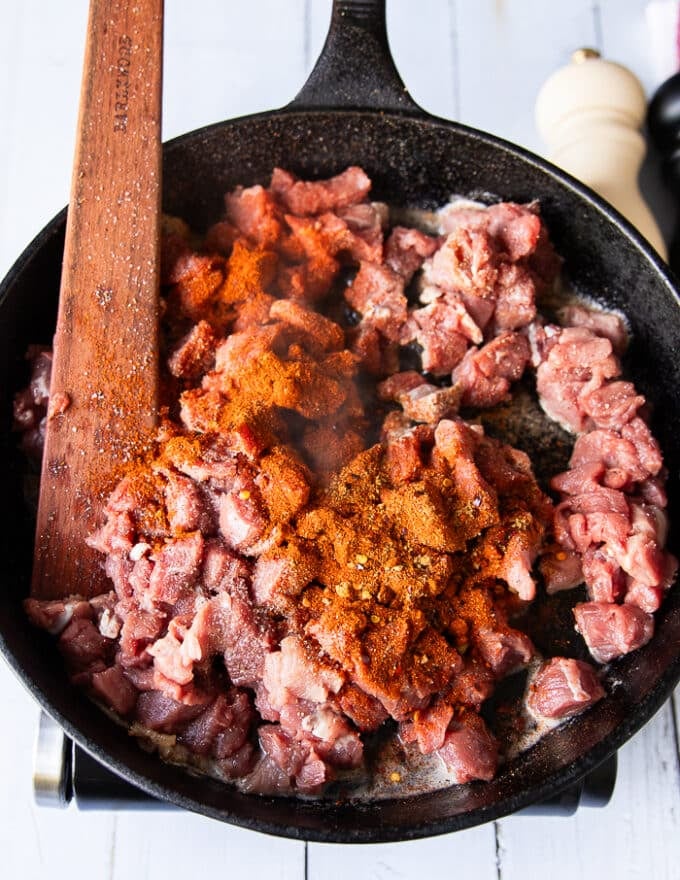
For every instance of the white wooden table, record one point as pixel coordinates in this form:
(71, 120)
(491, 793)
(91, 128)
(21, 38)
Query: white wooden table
(478, 61)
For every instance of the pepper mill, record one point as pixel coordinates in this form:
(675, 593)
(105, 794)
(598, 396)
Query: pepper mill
(589, 113)
(663, 124)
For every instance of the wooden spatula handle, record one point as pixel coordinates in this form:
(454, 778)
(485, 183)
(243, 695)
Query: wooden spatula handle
(104, 389)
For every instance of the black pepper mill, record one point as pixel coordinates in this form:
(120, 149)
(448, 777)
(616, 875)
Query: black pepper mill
(663, 124)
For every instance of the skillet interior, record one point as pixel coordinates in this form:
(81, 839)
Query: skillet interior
(412, 162)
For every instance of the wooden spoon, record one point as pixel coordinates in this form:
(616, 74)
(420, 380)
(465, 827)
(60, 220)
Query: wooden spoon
(104, 388)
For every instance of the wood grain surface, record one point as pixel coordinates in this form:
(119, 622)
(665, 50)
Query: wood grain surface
(483, 63)
(105, 366)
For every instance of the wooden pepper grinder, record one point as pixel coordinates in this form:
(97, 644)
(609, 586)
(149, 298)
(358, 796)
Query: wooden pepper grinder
(589, 113)
(663, 124)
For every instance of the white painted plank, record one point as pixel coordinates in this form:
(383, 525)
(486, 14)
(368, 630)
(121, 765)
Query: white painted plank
(224, 60)
(637, 836)
(42, 66)
(35, 841)
(506, 52)
(470, 853)
(627, 39)
(422, 38)
(162, 845)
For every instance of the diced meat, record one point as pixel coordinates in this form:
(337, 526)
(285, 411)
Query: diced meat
(116, 535)
(429, 404)
(561, 570)
(563, 687)
(612, 405)
(114, 690)
(428, 727)
(515, 227)
(406, 249)
(175, 654)
(377, 293)
(159, 712)
(473, 684)
(303, 197)
(140, 628)
(399, 384)
(54, 615)
(249, 638)
(222, 728)
(194, 354)
(610, 631)
(84, 647)
(619, 456)
(441, 329)
(466, 261)
(637, 432)
(592, 517)
(576, 363)
(186, 505)
(277, 577)
(516, 565)
(485, 374)
(515, 297)
(365, 711)
(292, 670)
(253, 212)
(378, 355)
(366, 222)
(318, 332)
(469, 751)
(504, 651)
(455, 311)
(286, 753)
(405, 453)
(242, 519)
(603, 575)
(602, 323)
(176, 569)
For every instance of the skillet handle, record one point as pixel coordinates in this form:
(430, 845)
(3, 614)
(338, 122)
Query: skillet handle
(355, 69)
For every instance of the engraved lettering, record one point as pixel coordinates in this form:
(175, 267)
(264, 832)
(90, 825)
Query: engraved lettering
(122, 95)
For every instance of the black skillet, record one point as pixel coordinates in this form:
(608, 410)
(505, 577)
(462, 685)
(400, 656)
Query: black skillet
(355, 110)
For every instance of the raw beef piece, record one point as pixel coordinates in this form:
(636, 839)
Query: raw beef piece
(467, 261)
(440, 329)
(377, 293)
(254, 213)
(54, 615)
(469, 750)
(406, 249)
(607, 324)
(428, 727)
(503, 650)
(159, 712)
(194, 354)
(515, 293)
(561, 569)
(114, 689)
(304, 197)
(612, 405)
(485, 374)
(611, 631)
(575, 363)
(563, 687)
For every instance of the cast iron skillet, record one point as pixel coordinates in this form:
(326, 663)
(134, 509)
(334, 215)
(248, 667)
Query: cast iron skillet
(355, 110)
